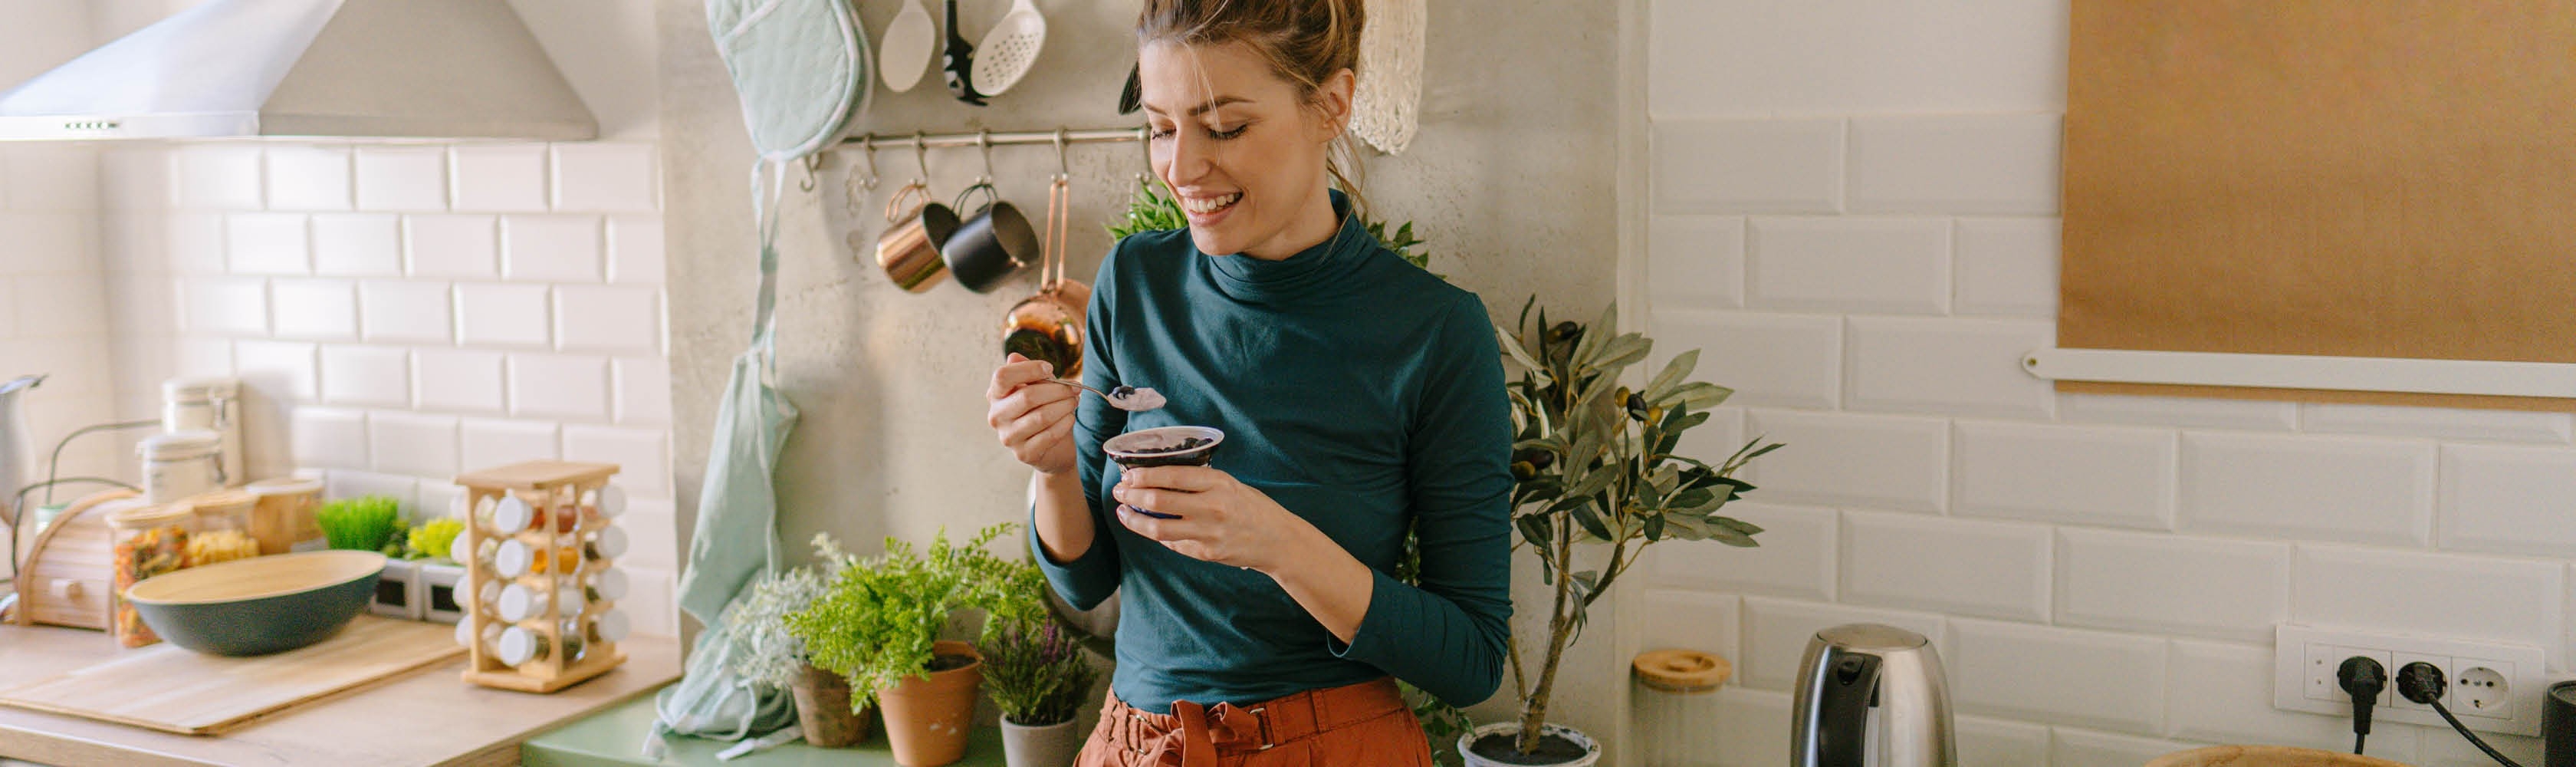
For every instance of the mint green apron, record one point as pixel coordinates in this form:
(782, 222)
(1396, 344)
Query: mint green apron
(800, 67)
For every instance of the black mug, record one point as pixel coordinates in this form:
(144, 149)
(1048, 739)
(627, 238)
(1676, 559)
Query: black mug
(991, 245)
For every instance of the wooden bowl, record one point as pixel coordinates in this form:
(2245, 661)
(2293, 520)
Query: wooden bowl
(259, 605)
(2266, 756)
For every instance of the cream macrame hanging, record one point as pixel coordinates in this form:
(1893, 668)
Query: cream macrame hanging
(1390, 76)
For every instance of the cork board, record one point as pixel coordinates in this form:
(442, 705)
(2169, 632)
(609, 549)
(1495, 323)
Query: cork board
(2369, 178)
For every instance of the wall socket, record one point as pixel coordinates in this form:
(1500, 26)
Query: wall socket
(2493, 687)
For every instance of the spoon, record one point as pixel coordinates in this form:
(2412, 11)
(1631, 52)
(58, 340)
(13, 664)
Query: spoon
(1127, 398)
(906, 48)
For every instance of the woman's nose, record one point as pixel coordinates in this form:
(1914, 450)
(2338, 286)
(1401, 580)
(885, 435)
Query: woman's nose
(1187, 160)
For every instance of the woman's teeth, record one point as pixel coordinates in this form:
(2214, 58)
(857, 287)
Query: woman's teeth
(1207, 205)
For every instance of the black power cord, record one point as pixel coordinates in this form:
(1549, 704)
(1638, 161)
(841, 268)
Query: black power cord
(2363, 679)
(2423, 683)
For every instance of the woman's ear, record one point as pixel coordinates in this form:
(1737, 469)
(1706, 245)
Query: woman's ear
(1334, 96)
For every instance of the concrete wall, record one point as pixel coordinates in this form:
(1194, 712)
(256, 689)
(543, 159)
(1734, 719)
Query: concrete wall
(1510, 180)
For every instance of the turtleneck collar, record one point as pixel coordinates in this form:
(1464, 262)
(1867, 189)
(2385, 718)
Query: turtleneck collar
(1247, 278)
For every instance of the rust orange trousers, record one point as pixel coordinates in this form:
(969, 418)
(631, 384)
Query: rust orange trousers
(1361, 725)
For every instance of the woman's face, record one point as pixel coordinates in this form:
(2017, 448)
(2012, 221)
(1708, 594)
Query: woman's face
(1239, 147)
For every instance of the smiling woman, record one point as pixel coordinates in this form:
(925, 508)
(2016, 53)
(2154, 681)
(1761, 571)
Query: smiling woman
(1359, 396)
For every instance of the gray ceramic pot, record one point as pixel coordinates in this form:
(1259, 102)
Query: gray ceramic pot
(1052, 745)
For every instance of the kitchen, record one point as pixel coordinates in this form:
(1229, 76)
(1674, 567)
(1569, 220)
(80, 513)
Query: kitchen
(1851, 208)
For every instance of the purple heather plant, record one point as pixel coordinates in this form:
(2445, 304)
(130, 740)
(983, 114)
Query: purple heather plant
(1038, 673)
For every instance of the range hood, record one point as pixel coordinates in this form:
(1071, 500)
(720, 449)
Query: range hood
(428, 69)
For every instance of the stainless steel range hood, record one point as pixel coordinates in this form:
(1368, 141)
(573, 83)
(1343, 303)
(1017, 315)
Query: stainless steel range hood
(308, 68)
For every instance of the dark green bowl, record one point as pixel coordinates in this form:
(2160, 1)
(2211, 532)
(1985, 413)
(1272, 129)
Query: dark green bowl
(259, 605)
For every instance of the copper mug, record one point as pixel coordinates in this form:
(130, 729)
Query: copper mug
(908, 251)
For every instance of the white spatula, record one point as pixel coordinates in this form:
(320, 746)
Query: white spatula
(905, 51)
(1009, 49)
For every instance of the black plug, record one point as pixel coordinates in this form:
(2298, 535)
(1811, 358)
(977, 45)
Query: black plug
(2363, 679)
(2421, 682)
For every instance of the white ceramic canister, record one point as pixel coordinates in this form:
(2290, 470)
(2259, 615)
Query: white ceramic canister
(180, 464)
(214, 404)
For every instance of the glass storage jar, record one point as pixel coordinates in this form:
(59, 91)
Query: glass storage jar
(223, 529)
(1675, 701)
(148, 541)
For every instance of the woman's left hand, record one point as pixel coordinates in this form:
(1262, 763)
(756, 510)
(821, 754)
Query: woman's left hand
(1217, 519)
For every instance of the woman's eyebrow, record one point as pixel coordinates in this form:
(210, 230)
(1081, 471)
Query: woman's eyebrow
(1206, 107)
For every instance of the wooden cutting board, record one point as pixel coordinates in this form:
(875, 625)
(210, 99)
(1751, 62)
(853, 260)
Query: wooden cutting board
(165, 687)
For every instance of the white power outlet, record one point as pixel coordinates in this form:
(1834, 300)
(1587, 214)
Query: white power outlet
(2492, 687)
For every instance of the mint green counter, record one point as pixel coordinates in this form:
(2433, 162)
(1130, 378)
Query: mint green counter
(615, 736)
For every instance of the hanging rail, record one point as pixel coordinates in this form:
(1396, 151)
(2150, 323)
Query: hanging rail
(993, 138)
(921, 141)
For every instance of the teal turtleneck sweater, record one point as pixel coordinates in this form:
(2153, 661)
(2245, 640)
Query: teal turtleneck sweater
(1359, 392)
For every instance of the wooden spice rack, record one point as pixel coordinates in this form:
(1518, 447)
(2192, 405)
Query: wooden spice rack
(546, 487)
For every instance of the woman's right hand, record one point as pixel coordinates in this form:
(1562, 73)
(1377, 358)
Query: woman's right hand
(1035, 422)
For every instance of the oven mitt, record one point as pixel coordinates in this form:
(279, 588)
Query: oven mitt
(800, 66)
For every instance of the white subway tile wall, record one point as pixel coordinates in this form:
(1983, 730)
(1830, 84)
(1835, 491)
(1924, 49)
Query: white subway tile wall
(406, 313)
(54, 279)
(1854, 216)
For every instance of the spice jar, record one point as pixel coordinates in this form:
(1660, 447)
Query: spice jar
(607, 544)
(519, 602)
(149, 541)
(519, 646)
(575, 646)
(491, 635)
(180, 464)
(283, 520)
(510, 516)
(610, 626)
(608, 585)
(611, 501)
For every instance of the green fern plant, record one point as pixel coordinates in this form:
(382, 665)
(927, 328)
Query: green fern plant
(876, 620)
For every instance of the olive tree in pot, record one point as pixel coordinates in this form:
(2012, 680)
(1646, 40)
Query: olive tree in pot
(877, 624)
(1594, 464)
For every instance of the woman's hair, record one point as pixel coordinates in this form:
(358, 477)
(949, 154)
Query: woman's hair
(1305, 41)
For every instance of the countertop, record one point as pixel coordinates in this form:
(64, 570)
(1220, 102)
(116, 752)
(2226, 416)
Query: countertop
(426, 717)
(614, 738)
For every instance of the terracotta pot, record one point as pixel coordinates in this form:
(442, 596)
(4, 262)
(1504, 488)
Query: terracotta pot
(823, 709)
(926, 719)
(1045, 745)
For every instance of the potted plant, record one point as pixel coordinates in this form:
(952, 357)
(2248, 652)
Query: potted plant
(1039, 676)
(877, 624)
(766, 653)
(1594, 464)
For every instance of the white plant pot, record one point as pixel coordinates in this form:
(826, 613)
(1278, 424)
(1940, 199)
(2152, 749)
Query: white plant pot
(1047, 745)
(1591, 750)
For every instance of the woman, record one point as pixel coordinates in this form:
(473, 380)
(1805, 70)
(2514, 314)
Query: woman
(1358, 394)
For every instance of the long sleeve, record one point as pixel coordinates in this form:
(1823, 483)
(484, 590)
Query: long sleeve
(1094, 575)
(1448, 635)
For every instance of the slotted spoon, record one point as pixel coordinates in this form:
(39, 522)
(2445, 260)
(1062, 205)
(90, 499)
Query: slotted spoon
(1010, 49)
(905, 50)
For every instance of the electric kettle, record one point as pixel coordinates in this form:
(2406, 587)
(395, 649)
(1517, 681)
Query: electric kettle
(1871, 696)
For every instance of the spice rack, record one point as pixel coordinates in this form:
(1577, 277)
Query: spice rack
(560, 511)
